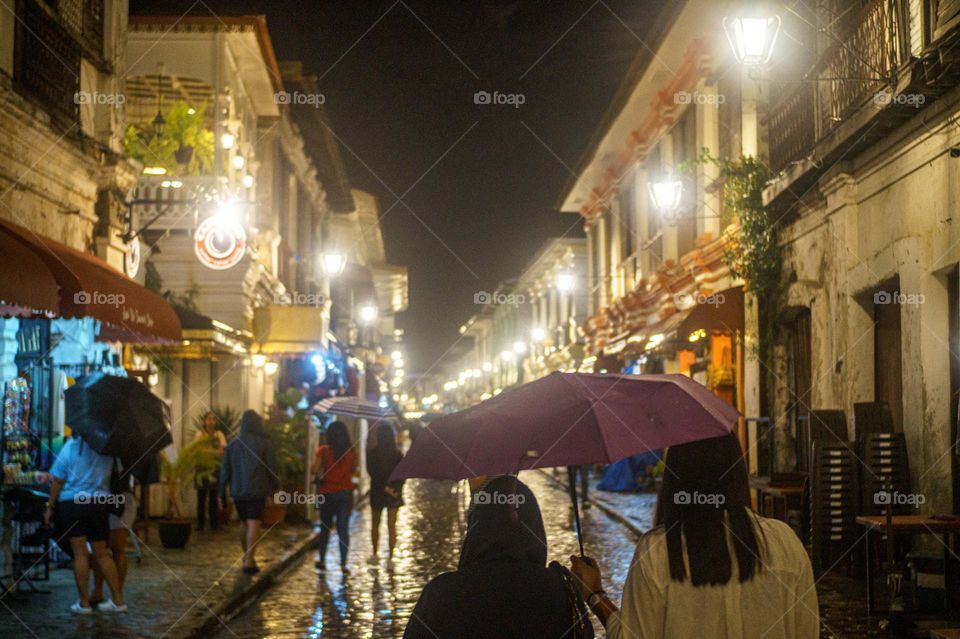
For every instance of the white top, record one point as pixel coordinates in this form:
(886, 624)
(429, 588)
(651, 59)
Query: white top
(84, 471)
(780, 602)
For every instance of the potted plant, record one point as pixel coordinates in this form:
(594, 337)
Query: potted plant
(196, 461)
(184, 148)
(287, 431)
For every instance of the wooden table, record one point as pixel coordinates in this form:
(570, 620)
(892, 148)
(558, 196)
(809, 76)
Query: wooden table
(780, 497)
(911, 525)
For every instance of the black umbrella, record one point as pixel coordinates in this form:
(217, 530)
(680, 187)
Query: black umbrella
(120, 417)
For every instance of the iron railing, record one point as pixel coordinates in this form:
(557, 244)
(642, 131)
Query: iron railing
(856, 62)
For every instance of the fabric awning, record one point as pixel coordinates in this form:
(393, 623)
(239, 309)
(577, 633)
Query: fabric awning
(27, 286)
(290, 330)
(89, 287)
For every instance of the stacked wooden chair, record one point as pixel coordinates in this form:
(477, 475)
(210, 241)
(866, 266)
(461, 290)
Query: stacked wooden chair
(835, 493)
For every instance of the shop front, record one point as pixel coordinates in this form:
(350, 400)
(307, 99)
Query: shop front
(63, 314)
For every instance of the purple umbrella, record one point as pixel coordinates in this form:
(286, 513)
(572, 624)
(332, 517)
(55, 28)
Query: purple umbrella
(567, 419)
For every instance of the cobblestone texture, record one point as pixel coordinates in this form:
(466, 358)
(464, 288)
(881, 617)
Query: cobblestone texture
(167, 592)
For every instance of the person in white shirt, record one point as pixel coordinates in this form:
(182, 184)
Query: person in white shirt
(711, 568)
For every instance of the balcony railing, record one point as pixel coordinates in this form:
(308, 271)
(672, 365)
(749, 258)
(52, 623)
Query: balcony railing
(173, 201)
(852, 68)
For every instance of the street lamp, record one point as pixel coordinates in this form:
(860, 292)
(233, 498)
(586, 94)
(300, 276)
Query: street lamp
(227, 140)
(538, 335)
(507, 356)
(368, 313)
(270, 368)
(752, 37)
(667, 194)
(519, 347)
(566, 282)
(333, 263)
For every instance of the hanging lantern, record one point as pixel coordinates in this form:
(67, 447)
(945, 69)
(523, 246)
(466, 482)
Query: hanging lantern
(752, 37)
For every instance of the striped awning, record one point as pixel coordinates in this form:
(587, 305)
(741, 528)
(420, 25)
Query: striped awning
(355, 407)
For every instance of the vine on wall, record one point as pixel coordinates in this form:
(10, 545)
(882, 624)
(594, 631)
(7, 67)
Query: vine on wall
(754, 254)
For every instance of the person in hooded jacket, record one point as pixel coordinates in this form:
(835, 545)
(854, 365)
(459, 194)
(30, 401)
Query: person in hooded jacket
(502, 588)
(249, 469)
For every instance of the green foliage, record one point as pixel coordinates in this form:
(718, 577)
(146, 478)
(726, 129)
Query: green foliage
(183, 129)
(196, 462)
(755, 256)
(288, 437)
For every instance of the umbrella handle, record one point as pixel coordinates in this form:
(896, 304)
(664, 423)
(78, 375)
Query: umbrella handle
(572, 481)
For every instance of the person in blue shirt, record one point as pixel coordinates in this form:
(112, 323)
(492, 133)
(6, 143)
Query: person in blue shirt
(79, 510)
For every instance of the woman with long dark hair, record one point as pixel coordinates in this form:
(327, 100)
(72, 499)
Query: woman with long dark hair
(384, 494)
(333, 466)
(711, 568)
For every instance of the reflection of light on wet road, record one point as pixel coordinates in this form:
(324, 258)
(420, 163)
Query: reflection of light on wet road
(376, 600)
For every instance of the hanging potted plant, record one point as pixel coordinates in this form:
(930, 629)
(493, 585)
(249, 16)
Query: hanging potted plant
(196, 461)
(185, 147)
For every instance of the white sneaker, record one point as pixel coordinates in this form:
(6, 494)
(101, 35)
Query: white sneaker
(77, 609)
(109, 606)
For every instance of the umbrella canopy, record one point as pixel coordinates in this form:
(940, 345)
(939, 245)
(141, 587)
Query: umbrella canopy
(118, 416)
(355, 407)
(567, 419)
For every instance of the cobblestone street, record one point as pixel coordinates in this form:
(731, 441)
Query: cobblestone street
(169, 593)
(375, 601)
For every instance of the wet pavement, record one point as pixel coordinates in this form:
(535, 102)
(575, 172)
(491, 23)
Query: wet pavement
(376, 600)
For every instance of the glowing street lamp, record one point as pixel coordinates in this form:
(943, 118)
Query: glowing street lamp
(752, 37)
(566, 282)
(667, 194)
(519, 347)
(508, 356)
(538, 335)
(368, 313)
(227, 140)
(333, 263)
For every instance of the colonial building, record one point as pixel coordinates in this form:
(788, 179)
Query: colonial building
(865, 181)
(661, 296)
(231, 223)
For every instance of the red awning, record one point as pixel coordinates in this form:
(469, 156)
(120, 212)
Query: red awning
(27, 286)
(89, 287)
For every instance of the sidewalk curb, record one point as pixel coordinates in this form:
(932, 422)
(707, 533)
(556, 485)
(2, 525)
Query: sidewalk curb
(226, 610)
(606, 508)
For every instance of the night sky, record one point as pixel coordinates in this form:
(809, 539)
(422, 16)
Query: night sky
(482, 189)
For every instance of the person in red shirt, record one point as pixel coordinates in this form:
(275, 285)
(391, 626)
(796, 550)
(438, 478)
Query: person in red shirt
(333, 466)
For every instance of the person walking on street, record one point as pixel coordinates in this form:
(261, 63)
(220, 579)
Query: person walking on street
(79, 510)
(382, 458)
(249, 469)
(711, 568)
(207, 502)
(502, 588)
(333, 467)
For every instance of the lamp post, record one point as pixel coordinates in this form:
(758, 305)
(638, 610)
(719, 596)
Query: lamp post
(333, 263)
